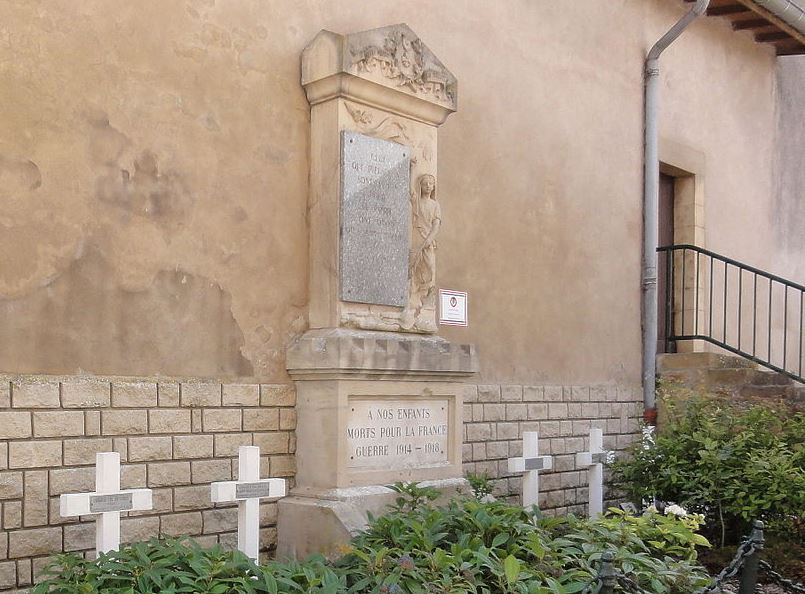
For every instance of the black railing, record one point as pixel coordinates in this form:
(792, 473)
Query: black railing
(737, 307)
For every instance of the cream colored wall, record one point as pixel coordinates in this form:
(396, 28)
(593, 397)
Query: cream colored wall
(107, 266)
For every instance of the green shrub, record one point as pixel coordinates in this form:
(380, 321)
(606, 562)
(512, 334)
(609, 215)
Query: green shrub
(466, 546)
(732, 463)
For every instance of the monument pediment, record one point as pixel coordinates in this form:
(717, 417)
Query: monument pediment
(393, 57)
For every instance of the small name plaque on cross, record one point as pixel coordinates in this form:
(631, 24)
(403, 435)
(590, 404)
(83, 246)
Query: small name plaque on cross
(594, 460)
(530, 463)
(247, 491)
(107, 501)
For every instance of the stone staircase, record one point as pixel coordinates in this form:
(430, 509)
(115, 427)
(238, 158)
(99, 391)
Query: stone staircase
(729, 376)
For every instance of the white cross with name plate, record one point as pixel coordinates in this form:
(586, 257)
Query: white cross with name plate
(594, 461)
(247, 491)
(530, 463)
(107, 501)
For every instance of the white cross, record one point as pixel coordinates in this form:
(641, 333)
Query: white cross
(530, 463)
(247, 491)
(594, 461)
(107, 501)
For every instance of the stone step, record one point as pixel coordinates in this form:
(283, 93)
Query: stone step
(765, 392)
(770, 378)
(682, 361)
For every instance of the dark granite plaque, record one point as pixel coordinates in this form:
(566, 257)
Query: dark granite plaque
(375, 220)
(535, 463)
(252, 490)
(600, 457)
(112, 502)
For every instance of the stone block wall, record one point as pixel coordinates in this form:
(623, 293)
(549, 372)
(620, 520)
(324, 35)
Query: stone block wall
(175, 437)
(495, 417)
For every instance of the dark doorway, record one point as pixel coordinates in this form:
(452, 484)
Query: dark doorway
(665, 237)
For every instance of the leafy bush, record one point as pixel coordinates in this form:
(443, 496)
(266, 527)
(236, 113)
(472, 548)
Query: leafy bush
(467, 546)
(732, 463)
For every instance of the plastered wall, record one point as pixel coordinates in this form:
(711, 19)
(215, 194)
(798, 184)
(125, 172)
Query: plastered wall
(153, 177)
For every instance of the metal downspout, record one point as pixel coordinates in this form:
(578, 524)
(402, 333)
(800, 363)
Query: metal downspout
(651, 183)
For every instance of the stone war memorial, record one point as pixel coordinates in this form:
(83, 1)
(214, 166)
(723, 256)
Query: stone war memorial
(264, 265)
(379, 394)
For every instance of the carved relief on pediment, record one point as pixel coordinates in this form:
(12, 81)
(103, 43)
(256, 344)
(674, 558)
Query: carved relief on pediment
(398, 55)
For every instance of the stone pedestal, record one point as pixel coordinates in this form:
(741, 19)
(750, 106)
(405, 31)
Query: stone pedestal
(379, 396)
(373, 408)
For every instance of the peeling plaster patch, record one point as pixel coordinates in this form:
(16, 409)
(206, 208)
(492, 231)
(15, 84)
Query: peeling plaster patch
(18, 176)
(141, 190)
(182, 324)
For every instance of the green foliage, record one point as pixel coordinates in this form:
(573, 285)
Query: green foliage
(465, 547)
(480, 485)
(153, 566)
(412, 495)
(734, 464)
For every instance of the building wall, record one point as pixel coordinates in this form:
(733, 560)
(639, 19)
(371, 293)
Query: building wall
(495, 417)
(154, 177)
(175, 437)
(154, 186)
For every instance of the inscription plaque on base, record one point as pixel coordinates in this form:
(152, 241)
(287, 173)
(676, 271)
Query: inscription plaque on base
(375, 220)
(397, 434)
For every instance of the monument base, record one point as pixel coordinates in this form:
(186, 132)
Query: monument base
(373, 408)
(323, 522)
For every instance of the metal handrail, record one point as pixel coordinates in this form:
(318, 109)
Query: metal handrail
(740, 305)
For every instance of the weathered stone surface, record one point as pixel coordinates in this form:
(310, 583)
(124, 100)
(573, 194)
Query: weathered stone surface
(12, 515)
(15, 425)
(164, 474)
(274, 442)
(150, 448)
(168, 393)
(79, 537)
(169, 421)
(200, 394)
(34, 393)
(134, 394)
(375, 218)
(241, 395)
(189, 523)
(192, 446)
(33, 454)
(38, 541)
(58, 423)
(8, 574)
(220, 419)
(72, 480)
(227, 444)
(220, 520)
(82, 451)
(288, 419)
(10, 485)
(35, 504)
(277, 395)
(124, 422)
(85, 393)
(138, 529)
(187, 498)
(209, 471)
(263, 419)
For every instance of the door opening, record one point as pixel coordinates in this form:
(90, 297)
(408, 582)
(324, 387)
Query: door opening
(665, 215)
